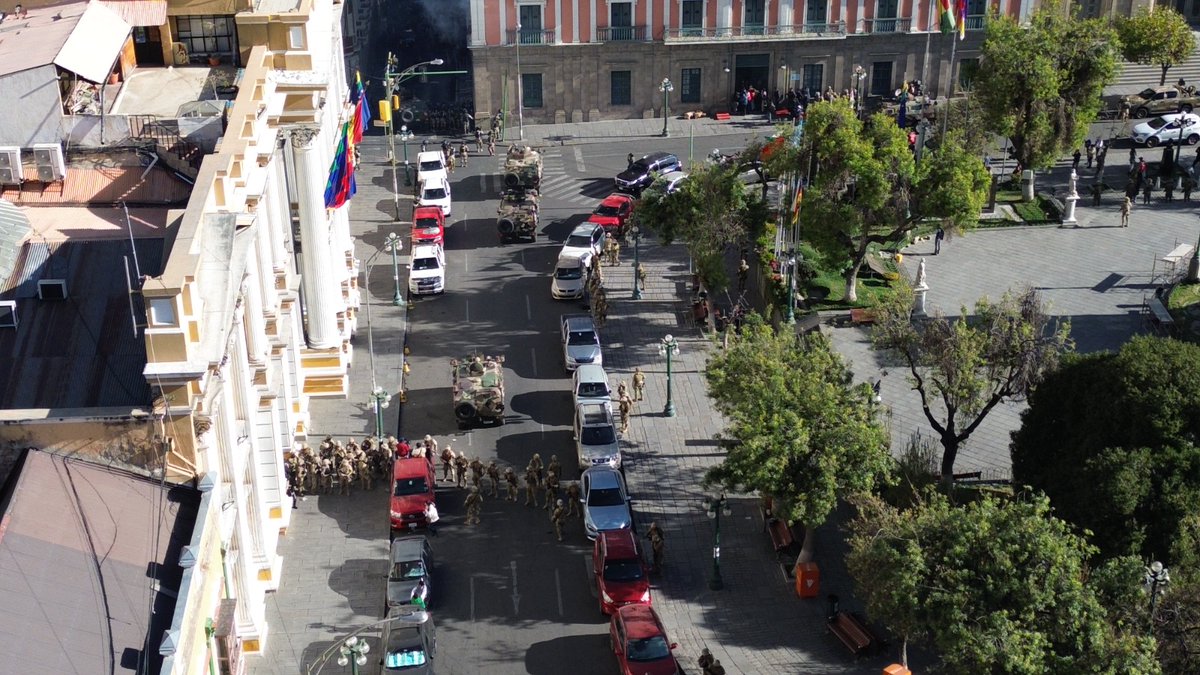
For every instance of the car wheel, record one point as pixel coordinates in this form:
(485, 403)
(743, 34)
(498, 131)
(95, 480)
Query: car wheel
(1187, 108)
(1193, 139)
(1152, 141)
(1141, 113)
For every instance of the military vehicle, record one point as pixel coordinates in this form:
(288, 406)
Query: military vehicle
(522, 168)
(477, 385)
(517, 217)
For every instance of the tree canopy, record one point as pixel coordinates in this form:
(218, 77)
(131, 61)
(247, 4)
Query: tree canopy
(1041, 84)
(1156, 35)
(799, 429)
(962, 368)
(995, 586)
(1111, 439)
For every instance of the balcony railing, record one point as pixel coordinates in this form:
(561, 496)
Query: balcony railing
(881, 25)
(836, 29)
(621, 34)
(976, 22)
(528, 36)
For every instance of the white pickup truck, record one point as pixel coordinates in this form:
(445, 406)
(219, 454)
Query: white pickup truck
(580, 341)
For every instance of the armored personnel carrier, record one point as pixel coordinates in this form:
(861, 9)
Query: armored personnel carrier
(522, 168)
(477, 385)
(517, 217)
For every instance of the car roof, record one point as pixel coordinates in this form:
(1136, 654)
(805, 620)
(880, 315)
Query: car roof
(410, 467)
(655, 156)
(433, 181)
(585, 228)
(425, 251)
(619, 544)
(569, 261)
(408, 548)
(603, 477)
(640, 621)
(588, 412)
(590, 372)
(616, 199)
(429, 154)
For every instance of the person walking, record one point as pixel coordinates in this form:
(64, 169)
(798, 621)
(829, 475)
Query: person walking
(743, 273)
(937, 240)
(1126, 209)
(557, 517)
(639, 384)
(431, 516)
(1147, 188)
(1091, 151)
(1075, 159)
(657, 544)
(473, 503)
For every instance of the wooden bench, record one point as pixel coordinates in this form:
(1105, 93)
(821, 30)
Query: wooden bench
(853, 633)
(875, 264)
(781, 534)
(861, 317)
(1159, 313)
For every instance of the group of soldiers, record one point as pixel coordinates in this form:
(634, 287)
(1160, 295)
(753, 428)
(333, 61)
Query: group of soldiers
(625, 401)
(540, 479)
(333, 463)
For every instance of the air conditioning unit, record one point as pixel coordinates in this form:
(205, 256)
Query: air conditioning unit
(52, 289)
(8, 313)
(49, 160)
(10, 166)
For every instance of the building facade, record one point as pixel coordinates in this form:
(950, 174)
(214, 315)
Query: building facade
(586, 60)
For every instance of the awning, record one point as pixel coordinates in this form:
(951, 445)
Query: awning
(94, 45)
(139, 12)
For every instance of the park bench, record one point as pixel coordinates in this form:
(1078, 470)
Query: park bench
(860, 317)
(1159, 314)
(853, 633)
(875, 264)
(781, 534)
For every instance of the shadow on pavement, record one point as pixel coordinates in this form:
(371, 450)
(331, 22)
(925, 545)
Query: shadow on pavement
(363, 583)
(548, 657)
(552, 408)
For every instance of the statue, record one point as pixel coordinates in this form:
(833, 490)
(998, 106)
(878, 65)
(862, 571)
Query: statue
(920, 281)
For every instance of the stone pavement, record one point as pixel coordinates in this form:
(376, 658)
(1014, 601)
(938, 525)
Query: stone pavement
(755, 624)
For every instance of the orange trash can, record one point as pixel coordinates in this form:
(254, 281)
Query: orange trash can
(896, 669)
(808, 580)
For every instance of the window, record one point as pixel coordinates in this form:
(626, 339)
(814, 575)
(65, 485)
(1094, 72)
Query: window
(689, 85)
(754, 17)
(530, 18)
(881, 78)
(622, 87)
(814, 16)
(691, 18)
(162, 312)
(620, 21)
(885, 17)
(296, 37)
(811, 77)
(531, 90)
(206, 35)
(976, 14)
(967, 70)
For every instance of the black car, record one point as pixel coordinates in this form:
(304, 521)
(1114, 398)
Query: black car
(641, 173)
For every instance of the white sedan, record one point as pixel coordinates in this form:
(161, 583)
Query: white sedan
(1175, 127)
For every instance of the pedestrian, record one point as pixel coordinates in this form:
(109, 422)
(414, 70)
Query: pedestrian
(491, 146)
(1126, 209)
(629, 160)
(705, 661)
(574, 505)
(473, 503)
(657, 544)
(743, 273)
(1188, 184)
(639, 384)
(1133, 158)
(551, 489)
(715, 669)
(557, 517)
(510, 482)
(1169, 190)
(626, 407)
(1147, 187)
(1075, 159)
(937, 240)
(448, 464)
(431, 517)
(463, 154)
(478, 140)
(531, 483)
(641, 276)
(1091, 151)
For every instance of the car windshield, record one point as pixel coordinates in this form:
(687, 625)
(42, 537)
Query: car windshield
(593, 390)
(601, 435)
(648, 649)
(622, 570)
(405, 658)
(425, 264)
(408, 569)
(579, 241)
(435, 193)
(410, 486)
(427, 225)
(1158, 122)
(568, 273)
(603, 210)
(638, 167)
(1147, 93)
(581, 337)
(605, 497)
(431, 165)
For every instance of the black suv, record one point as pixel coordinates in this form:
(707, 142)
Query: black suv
(641, 173)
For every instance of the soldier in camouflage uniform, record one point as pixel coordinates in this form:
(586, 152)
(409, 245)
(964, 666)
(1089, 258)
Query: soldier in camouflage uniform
(510, 480)
(345, 474)
(460, 470)
(493, 474)
(551, 488)
(622, 392)
(639, 384)
(557, 517)
(531, 484)
(554, 465)
(535, 463)
(448, 464)
(473, 503)
(326, 476)
(625, 406)
(574, 506)
(364, 472)
(477, 474)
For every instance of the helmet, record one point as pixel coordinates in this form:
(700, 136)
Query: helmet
(474, 489)
(559, 502)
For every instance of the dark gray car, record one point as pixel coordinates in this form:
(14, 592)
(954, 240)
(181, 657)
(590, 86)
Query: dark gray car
(639, 175)
(411, 563)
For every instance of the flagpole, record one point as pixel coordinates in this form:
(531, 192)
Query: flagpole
(950, 87)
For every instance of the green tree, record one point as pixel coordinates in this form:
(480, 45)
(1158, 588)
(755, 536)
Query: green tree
(1111, 439)
(1156, 35)
(710, 212)
(800, 430)
(1041, 84)
(995, 586)
(868, 190)
(963, 368)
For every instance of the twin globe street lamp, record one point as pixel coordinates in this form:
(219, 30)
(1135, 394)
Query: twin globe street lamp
(394, 244)
(637, 288)
(668, 347)
(666, 87)
(353, 652)
(714, 508)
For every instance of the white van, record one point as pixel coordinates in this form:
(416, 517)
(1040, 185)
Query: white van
(570, 278)
(434, 191)
(431, 164)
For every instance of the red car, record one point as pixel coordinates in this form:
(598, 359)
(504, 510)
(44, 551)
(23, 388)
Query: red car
(613, 212)
(640, 643)
(412, 489)
(620, 573)
(429, 226)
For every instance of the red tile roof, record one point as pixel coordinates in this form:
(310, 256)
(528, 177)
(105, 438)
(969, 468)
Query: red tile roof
(104, 185)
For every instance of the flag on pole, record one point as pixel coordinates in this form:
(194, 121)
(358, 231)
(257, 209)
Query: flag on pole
(340, 186)
(946, 10)
(362, 112)
(962, 19)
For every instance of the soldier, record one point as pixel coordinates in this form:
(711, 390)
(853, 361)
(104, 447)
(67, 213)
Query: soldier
(705, 661)
(493, 474)
(364, 472)
(622, 392)
(600, 308)
(473, 502)
(574, 506)
(639, 384)
(462, 154)
(491, 145)
(557, 517)
(478, 140)
(431, 445)
(614, 255)
(448, 464)
(345, 475)
(535, 463)
(510, 480)
(531, 483)
(554, 466)
(460, 470)
(641, 275)
(657, 544)
(476, 473)
(551, 488)
(326, 476)
(626, 406)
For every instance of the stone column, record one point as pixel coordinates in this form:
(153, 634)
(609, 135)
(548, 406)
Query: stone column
(318, 259)
(256, 331)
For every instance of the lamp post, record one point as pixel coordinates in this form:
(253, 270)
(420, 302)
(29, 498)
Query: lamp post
(353, 652)
(860, 76)
(405, 134)
(1156, 576)
(666, 87)
(668, 347)
(520, 91)
(791, 263)
(393, 81)
(394, 244)
(380, 399)
(637, 287)
(714, 508)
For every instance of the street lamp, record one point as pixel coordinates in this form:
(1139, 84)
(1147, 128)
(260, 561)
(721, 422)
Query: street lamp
(405, 135)
(353, 652)
(860, 76)
(1156, 576)
(380, 399)
(668, 347)
(520, 90)
(392, 83)
(637, 237)
(394, 244)
(714, 508)
(791, 264)
(666, 87)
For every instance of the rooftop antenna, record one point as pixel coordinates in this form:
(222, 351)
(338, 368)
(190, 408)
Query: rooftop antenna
(129, 227)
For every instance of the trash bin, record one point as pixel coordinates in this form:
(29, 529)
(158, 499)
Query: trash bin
(808, 580)
(896, 669)
(1027, 185)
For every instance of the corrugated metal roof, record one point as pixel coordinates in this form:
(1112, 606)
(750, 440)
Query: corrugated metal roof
(36, 40)
(37, 254)
(94, 45)
(139, 12)
(80, 548)
(14, 226)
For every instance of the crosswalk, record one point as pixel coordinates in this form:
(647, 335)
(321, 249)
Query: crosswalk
(557, 183)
